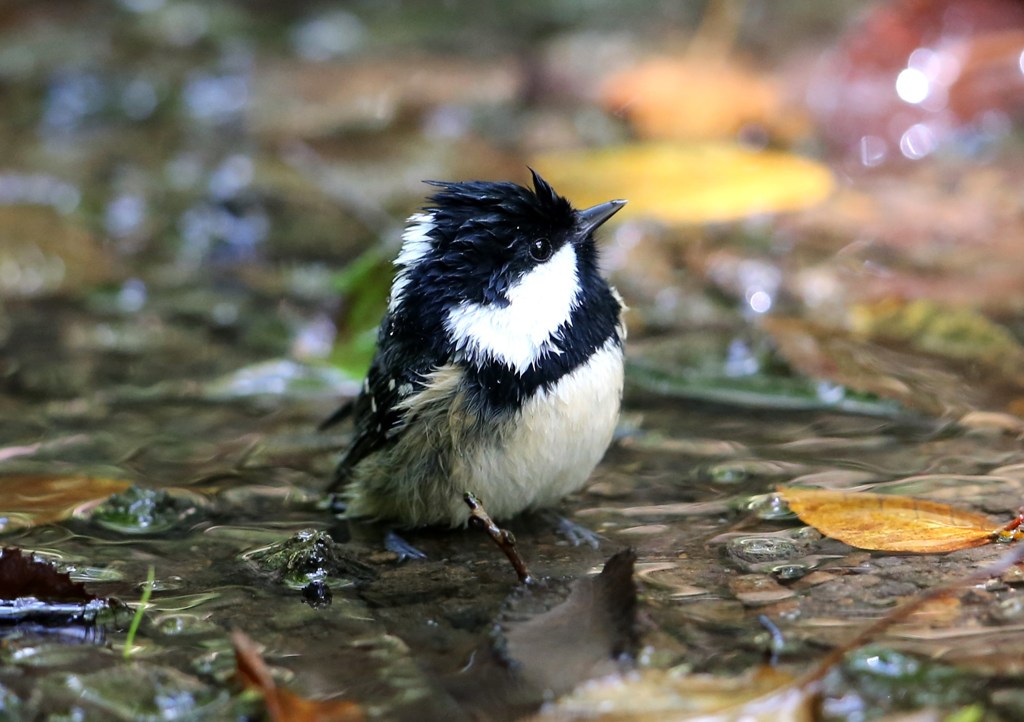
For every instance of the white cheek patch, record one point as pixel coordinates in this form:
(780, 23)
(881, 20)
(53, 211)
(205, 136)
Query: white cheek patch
(416, 244)
(521, 332)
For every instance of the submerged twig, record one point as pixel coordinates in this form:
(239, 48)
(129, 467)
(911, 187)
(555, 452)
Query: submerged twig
(1012, 530)
(480, 519)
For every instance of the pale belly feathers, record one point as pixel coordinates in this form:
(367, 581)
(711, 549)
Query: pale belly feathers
(531, 461)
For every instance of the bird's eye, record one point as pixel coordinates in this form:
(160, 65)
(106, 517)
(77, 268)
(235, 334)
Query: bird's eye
(540, 249)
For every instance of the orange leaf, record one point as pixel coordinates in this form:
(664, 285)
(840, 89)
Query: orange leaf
(31, 500)
(889, 523)
(282, 705)
(690, 98)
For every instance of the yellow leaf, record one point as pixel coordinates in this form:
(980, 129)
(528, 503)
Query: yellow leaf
(886, 522)
(30, 500)
(695, 183)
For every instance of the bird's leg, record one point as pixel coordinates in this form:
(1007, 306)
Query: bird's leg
(574, 533)
(347, 529)
(396, 544)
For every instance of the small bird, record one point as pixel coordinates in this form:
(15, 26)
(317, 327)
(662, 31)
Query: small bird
(499, 361)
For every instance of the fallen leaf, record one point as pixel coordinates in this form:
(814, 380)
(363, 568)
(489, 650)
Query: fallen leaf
(655, 695)
(282, 705)
(26, 576)
(885, 522)
(31, 500)
(32, 589)
(538, 651)
(689, 183)
(694, 98)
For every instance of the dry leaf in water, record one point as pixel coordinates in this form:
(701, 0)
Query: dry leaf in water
(695, 183)
(654, 695)
(31, 500)
(537, 652)
(282, 705)
(33, 590)
(25, 576)
(885, 522)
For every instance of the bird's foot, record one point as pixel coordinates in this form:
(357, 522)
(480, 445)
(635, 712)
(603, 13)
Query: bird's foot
(575, 534)
(397, 545)
(336, 504)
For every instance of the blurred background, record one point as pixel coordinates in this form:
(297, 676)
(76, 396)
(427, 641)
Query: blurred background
(809, 154)
(200, 201)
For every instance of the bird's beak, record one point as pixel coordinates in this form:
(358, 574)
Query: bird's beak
(592, 218)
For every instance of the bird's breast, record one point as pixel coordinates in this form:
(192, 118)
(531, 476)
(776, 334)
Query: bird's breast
(550, 446)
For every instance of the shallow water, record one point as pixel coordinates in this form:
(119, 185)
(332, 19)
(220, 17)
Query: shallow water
(175, 314)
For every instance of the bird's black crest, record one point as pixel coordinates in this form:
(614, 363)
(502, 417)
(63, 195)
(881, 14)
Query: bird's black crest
(494, 206)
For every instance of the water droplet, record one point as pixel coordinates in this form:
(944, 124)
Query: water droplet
(769, 507)
(761, 549)
(790, 572)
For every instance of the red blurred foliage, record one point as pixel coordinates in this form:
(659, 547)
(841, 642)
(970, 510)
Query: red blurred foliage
(963, 77)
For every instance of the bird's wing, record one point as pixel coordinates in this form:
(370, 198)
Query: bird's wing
(377, 412)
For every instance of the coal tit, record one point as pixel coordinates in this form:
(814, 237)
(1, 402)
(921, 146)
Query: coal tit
(499, 361)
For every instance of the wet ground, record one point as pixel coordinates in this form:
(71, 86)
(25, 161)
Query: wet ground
(198, 203)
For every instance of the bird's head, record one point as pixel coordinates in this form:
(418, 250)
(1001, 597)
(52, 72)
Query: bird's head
(498, 268)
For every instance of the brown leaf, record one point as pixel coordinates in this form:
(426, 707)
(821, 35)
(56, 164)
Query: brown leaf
(25, 576)
(552, 651)
(688, 98)
(889, 523)
(282, 705)
(31, 500)
(582, 637)
(33, 590)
